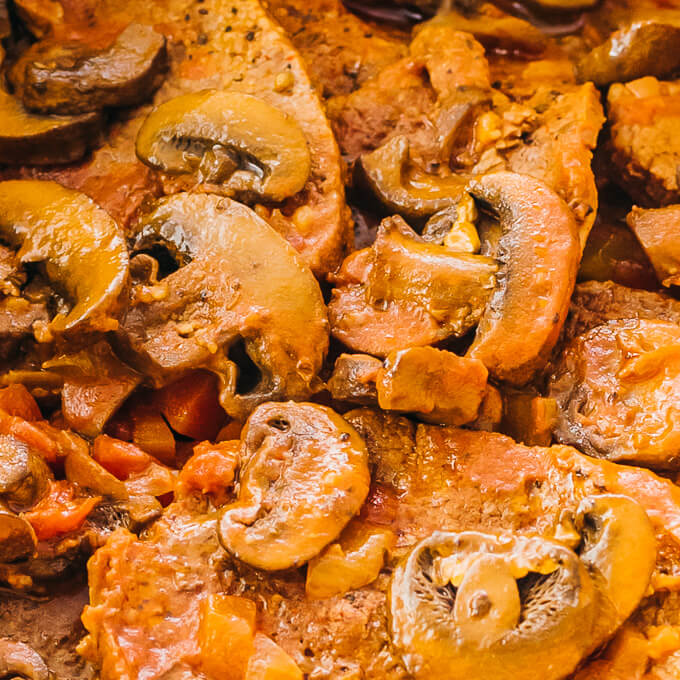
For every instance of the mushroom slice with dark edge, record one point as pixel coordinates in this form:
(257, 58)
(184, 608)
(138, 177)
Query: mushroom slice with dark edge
(538, 251)
(24, 474)
(18, 660)
(638, 361)
(242, 303)
(619, 550)
(476, 606)
(70, 78)
(404, 292)
(304, 476)
(17, 538)
(30, 139)
(406, 190)
(648, 46)
(81, 246)
(232, 139)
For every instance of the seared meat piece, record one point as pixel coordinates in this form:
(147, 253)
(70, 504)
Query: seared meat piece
(594, 303)
(425, 479)
(232, 45)
(657, 231)
(559, 151)
(644, 116)
(340, 50)
(23, 619)
(617, 388)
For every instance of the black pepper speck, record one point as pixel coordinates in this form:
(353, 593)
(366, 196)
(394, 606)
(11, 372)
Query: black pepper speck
(250, 35)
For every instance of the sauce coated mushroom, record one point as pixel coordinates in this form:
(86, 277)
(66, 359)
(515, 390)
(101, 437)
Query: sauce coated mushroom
(304, 476)
(71, 79)
(82, 248)
(228, 138)
(241, 300)
(538, 250)
(31, 139)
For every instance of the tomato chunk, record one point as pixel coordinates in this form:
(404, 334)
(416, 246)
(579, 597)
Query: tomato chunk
(60, 511)
(226, 636)
(191, 406)
(120, 458)
(211, 469)
(16, 400)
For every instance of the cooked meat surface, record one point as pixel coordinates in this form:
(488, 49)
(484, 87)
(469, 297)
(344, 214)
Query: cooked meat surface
(249, 57)
(340, 50)
(595, 302)
(501, 486)
(643, 117)
(616, 389)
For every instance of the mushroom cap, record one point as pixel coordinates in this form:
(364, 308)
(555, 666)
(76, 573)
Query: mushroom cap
(304, 476)
(240, 284)
(527, 608)
(236, 140)
(83, 249)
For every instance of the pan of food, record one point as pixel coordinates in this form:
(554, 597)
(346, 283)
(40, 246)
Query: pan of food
(339, 340)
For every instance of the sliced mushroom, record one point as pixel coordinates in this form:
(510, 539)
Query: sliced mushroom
(472, 605)
(70, 78)
(18, 660)
(404, 292)
(236, 140)
(17, 538)
(496, 29)
(304, 476)
(354, 377)
(646, 47)
(241, 296)
(539, 253)
(619, 550)
(82, 248)
(30, 139)
(81, 468)
(639, 362)
(24, 474)
(406, 190)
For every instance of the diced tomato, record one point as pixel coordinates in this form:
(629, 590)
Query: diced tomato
(36, 434)
(18, 401)
(225, 636)
(191, 406)
(211, 469)
(60, 511)
(270, 662)
(120, 458)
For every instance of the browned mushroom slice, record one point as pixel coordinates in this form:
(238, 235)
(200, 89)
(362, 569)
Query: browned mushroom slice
(18, 660)
(405, 189)
(241, 303)
(235, 140)
(70, 78)
(17, 538)
(438, 386)
(403, 292)
(646, 47)
(657, 231)
(539, 253)
(30, 139)
(645, 148)
(304, 476)
(82, 248)
(24, 475)
(475, 606)
(639, 362)
(619, 550)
